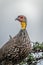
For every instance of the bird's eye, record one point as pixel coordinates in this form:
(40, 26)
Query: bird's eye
(21, 17)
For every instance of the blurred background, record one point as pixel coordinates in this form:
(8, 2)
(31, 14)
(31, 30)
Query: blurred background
(10, 9)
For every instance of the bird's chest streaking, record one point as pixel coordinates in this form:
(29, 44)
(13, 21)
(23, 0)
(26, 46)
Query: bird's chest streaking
(23, 37)
(23, 43)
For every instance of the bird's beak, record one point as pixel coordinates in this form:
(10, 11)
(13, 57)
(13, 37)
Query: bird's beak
(16, 19)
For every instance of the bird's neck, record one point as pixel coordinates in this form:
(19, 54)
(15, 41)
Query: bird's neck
(23, 25)
(22, 32)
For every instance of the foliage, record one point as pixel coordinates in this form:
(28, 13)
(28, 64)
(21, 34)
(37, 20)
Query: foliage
(31, 59)
(38, 47)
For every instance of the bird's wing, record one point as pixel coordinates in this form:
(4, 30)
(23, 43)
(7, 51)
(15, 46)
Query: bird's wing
(6, 47)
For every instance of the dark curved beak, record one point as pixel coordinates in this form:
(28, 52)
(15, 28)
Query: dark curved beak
(16, 19)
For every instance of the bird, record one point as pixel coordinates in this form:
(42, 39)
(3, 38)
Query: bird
(18, 47)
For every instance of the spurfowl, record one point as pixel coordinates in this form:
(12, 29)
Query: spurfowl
(18, 47)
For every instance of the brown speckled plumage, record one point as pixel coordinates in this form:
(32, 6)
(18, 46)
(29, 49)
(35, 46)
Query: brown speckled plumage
(16, 49)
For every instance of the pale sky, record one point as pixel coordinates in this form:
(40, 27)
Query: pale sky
(10, 9)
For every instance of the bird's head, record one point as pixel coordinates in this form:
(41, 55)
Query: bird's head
(22, 20)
